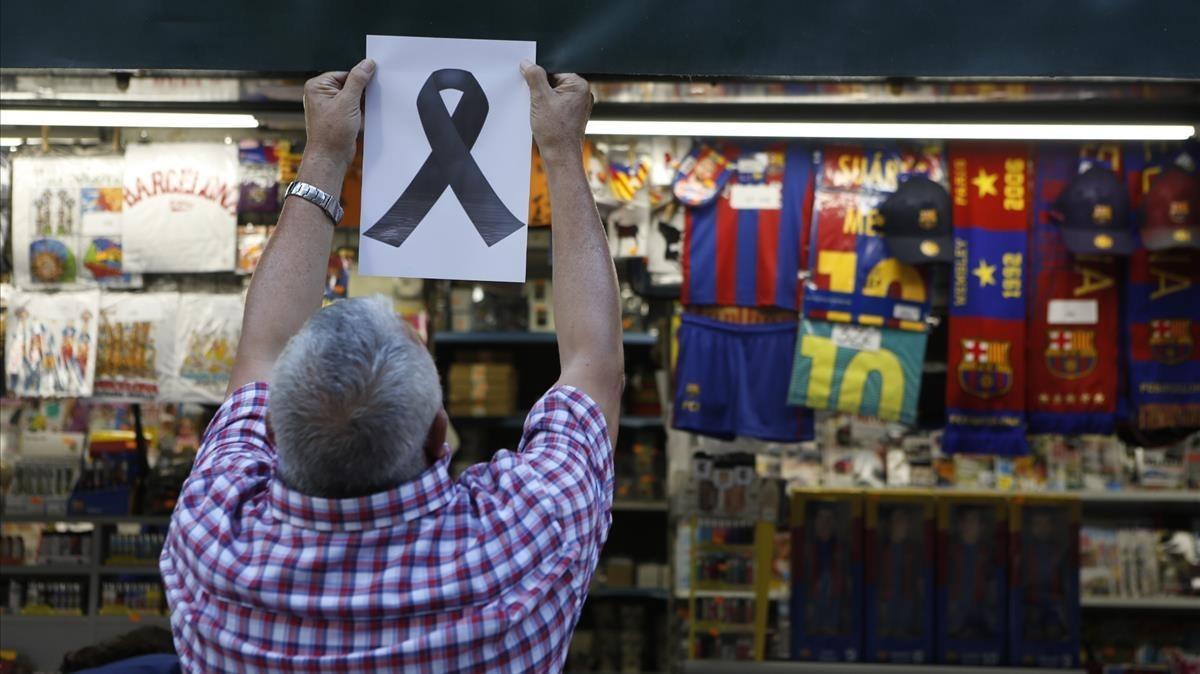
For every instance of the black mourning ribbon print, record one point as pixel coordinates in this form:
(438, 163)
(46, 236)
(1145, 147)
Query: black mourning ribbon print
(450, 164)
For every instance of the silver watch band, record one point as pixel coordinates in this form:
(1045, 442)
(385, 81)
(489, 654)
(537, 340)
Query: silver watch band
(323, 199)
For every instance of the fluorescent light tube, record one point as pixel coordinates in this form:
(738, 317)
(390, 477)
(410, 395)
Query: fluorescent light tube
(920, 131)
(171, 120)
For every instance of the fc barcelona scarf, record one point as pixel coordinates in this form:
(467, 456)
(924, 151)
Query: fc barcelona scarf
(1163, 315)
(1074, 318)
(985, 385)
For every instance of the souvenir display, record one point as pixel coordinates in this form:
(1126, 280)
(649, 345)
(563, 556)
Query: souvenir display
(181, 203)
(664, 243)
(1162, 294)
(258, 169)
(702, 175)
(251, 242)
(916, 222)
(50, 343)
(985, 392)
(852, 276)
(972, 580)
(206, 338)
(858, 369)
(1074, 319)
(729, 381)
(137, 337)
(629, 226)
(1043, 609)
(67, 222)
(827, 575)
(744, 247)
(1094, 213)
(898, 591)
(1171, 210)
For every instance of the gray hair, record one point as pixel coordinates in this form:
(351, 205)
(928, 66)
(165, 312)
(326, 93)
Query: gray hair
(353, 396)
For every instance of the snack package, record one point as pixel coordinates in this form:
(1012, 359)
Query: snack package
(899, 575)
(1043, 628)
(827, 575)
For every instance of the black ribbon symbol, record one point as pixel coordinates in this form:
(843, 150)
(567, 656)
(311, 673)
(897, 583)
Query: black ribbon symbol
(449, 164)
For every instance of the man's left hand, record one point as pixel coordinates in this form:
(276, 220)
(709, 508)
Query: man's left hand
(333, 112)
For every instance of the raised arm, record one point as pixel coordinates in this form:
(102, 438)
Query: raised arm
(288, 282)
(587, 311)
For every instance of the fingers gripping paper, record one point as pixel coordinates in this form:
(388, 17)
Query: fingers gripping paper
(446, 159)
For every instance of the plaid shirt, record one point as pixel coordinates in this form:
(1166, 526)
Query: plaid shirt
(486, 573)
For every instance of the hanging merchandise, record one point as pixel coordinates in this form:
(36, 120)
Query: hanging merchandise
(853, 277)
(1171, 210)
(67, 220)
(916, 222)
(1162, 306)
(1094, 210)
(664, 242)
(206, 338)
(702, 175)
(258, 169)
(50, 340)
(251, 242)
(181, 203)
(733, 381)
(858, 370)
(1074, 319)
(985, 386)
(628, 226)
(134, 350)
(628, 178)
(744, 248)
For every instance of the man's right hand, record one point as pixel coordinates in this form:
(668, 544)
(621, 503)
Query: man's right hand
(333, 112)
(558, 114)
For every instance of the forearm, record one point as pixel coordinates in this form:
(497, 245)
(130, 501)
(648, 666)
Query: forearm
(586, 301)
(288, 283)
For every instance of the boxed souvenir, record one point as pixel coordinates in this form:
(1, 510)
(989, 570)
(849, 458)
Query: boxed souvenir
(898, 587)
(827, 575)
(972, 581)
(1044, 576)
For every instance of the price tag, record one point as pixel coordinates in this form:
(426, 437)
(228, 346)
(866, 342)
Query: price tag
(857, 337)
(906, 312)
(1073, 312)
(761, 197)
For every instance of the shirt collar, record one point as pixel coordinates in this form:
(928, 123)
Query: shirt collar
(431, 490)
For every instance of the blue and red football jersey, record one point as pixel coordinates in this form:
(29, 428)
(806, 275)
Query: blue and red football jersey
(751, 257)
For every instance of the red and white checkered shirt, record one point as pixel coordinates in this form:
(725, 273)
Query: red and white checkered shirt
(486, 573)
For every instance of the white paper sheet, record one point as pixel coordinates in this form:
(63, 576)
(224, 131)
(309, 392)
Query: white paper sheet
(180, 207)
(446, 243)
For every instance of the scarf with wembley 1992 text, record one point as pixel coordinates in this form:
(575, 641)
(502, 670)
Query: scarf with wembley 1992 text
(1074, 316)
(1162, 310)
(985, 382)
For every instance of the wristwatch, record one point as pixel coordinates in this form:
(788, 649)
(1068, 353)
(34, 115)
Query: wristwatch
(323, 199)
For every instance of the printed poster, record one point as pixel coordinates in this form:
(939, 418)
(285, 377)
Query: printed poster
(446, 159)
(136, 344)
(67, 223)
(181, 202)
(49, 347)
(206, 339)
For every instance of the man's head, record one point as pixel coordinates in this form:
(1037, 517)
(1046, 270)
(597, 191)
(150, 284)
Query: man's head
(356, 405)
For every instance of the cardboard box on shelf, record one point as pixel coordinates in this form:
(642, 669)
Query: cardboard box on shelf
(899, 576)
(1043, 629)
(971, 583)
(827, 575)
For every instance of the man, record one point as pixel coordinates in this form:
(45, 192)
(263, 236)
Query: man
(320, 531)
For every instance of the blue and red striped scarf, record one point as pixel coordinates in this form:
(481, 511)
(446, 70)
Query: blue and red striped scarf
(985, 383)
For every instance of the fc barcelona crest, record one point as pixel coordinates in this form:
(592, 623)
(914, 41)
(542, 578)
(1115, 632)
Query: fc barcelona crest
(1071, 354)
(985, 371)
(1171, 340)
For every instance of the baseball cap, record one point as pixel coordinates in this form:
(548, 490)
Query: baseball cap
(1094, 210)
(1172, 211)
(917, 227)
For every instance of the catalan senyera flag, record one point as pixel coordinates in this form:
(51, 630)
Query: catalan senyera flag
(985, 385)
(1074, 317)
